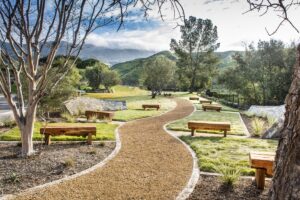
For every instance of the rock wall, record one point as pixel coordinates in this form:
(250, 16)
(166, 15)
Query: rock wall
(81, 104)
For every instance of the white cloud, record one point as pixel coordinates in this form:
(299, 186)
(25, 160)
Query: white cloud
(234, 27)
(157, 39)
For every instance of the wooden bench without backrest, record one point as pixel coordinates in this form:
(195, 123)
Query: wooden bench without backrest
(263, 164)
(208, 125)
(156, 106)
(86, 131)
(99, 114)
(211, 107)
(194, 98)
(203, 101)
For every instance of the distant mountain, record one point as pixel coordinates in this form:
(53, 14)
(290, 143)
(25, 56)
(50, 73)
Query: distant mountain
(131, 71)
(226, 58)
(107, 55)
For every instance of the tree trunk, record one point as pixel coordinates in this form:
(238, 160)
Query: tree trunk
(192, 86)
(153, 94)
(26, 128)
(286, 180)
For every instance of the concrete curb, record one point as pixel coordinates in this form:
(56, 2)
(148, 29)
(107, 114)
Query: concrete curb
(185, 193)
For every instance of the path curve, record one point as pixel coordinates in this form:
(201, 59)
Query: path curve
(150, 165)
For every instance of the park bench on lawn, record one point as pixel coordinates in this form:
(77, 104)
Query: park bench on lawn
(156, 106)
(194, 98)
(84, 131)
(205, 101)
(263, 164)
(209, 125)
(99, 114)
(211, 107)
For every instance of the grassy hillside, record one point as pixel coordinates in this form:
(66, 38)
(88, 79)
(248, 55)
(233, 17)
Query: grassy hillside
(131, 71)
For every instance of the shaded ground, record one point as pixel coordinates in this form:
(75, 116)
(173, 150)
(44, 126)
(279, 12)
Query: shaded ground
(211, 188)
(51, 163)
(150, 165)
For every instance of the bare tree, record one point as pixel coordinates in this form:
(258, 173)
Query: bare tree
(286, 180)
(30, 27)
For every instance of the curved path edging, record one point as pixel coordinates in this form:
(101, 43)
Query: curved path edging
(126, 176)
(187, 191)
(99, 165)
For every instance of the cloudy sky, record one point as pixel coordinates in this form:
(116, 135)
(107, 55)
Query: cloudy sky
(234, 27)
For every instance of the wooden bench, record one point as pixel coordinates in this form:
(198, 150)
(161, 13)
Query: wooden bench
(211, 107)
(205, 101)
(263, 163)
(208, 125)
(85, 131)
(99, 114)
(156, 106)
(194, 98)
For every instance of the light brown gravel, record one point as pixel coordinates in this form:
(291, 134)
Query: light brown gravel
(150, 165)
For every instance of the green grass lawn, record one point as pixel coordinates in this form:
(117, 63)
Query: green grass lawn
(237, 127)
(135, 111)
(233, 152)
(119, 91)
(105, 131)
(134, 98)
(224, 108)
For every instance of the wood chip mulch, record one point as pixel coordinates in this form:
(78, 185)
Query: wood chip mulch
(50, 163)
(211, 188)
(150, 165)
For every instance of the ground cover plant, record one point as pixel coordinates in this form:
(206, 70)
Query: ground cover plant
(105, 131)
(213, 152)
(237, 127)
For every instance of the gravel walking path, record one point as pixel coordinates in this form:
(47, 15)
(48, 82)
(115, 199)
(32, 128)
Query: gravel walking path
(150, 165)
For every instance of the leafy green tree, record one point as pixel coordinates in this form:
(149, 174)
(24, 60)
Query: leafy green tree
(83, 64)
(110, 78)
(158, 73)
(95, 75)
(262, 75)
(195, 51)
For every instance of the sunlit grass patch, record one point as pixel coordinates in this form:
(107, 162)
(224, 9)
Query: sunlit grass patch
(119, 91)
(232, 152)
(105, 131)
(237, 126)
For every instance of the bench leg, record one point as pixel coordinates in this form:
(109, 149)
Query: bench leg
(225, 133)
(204, 109)
(260, 175)
(89, 140)
(47, 139)
(193, 132)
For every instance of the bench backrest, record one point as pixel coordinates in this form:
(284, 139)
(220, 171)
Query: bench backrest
(68, 130)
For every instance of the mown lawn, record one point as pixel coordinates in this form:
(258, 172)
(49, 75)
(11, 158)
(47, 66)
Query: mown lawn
(237, 127)
(105, 131)
(224, 108)
(134, 98)
(135, 111)
(213, 152)
(119, 91)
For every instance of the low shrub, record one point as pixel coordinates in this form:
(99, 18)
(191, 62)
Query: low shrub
(230, 175)
(258, 126)
(68, 163)
(68, 117)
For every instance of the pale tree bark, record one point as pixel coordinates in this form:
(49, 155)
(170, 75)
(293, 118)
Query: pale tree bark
(286, 180)
(28, 27)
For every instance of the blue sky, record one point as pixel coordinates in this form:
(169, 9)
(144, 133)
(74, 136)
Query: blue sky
(234, 28)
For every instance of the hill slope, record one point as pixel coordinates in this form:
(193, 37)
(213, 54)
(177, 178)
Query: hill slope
(131, 71)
